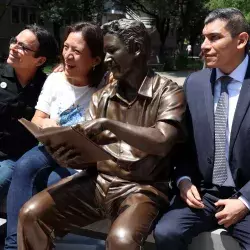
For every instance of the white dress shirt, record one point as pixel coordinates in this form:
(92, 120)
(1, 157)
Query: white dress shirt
(234, 88)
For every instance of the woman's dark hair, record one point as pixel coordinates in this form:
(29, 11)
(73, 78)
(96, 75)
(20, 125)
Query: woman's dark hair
(48, 46)
(93, 36)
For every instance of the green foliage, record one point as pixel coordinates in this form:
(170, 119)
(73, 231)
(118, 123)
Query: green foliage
(181, 61)
(169, 64)
(47, 69)
(61, 12)
(243, 5)
(68, 10)
(185, 17)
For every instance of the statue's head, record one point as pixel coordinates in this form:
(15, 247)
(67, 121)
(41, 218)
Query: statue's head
(127, 44)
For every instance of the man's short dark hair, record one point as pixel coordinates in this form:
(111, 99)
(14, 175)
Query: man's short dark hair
(236, 22)
(130, 31)
(48, 46)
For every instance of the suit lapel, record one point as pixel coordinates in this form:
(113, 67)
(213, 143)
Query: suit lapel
(209, 102)
(241, 108)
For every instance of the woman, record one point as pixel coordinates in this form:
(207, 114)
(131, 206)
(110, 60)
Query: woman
(62, 102)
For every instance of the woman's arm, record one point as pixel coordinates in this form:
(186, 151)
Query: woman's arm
(42, 120)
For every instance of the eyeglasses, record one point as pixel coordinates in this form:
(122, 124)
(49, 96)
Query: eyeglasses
(21, 45)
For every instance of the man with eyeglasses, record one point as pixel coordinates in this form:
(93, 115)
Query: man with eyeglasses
(21, 80)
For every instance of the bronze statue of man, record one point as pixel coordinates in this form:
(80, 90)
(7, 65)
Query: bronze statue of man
(138, 120)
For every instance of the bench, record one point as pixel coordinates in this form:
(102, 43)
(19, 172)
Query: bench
(98, 231)
(215, 240)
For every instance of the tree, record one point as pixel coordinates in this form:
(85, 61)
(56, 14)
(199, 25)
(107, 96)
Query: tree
(5, 8)
(191, 21)
(159, 10)
(60, 12)
(242, 5)
(177, 14)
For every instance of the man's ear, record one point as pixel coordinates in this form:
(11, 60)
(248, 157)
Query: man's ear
(41, 61)
(138, 49)
(135, 47)
(242, 40)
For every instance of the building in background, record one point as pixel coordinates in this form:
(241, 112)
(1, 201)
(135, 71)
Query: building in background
(15, 14)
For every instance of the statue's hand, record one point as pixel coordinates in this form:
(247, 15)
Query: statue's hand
(66, 156)
(92, 128)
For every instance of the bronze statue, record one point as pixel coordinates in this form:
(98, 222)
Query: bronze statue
(138, 120)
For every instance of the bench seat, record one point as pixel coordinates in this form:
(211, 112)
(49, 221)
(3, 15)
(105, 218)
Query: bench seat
(215, 240)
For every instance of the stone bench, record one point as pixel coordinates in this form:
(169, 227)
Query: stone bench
(215, 240)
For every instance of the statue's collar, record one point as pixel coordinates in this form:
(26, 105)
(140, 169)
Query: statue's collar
(146, 88)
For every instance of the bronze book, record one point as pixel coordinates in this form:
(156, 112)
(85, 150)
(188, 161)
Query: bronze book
(56, 136)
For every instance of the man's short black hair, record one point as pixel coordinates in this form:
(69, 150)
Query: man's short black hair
(48, 46)
(236, 22)
(130, 31)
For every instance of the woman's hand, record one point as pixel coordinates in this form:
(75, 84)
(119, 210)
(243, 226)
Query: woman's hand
(58, 68)
(47, 123)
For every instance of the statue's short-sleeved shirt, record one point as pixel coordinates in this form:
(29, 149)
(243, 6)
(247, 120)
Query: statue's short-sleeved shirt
(158, 100)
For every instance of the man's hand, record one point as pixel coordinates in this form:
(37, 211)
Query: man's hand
(93, 127)
(190, 194)
(234, 210)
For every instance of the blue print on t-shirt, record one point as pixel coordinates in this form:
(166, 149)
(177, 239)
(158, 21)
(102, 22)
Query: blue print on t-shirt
(71, 116)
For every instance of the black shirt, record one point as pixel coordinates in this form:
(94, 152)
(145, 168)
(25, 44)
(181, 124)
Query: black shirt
(16, 102)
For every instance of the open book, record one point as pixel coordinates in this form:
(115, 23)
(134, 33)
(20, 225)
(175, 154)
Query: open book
(56, 136)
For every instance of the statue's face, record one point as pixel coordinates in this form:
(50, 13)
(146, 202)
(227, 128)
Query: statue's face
(119, 61)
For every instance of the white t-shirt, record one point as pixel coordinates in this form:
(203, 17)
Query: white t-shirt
(63, 101)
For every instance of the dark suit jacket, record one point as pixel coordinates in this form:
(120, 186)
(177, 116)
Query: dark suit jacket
(198, 156)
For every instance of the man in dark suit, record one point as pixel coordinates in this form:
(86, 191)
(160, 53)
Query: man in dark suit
(213, 175)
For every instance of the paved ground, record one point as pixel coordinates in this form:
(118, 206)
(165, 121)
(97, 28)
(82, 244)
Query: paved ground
(178, 76)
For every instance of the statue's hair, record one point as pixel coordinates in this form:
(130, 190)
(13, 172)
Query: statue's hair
(129, 31)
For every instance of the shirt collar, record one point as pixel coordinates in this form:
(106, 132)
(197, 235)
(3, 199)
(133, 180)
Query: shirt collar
(239, 73)
(146, 88)
(8, 71)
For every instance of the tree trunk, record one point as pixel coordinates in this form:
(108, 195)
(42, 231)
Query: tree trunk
(56, 29)
(162, 26)
(100, 8)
